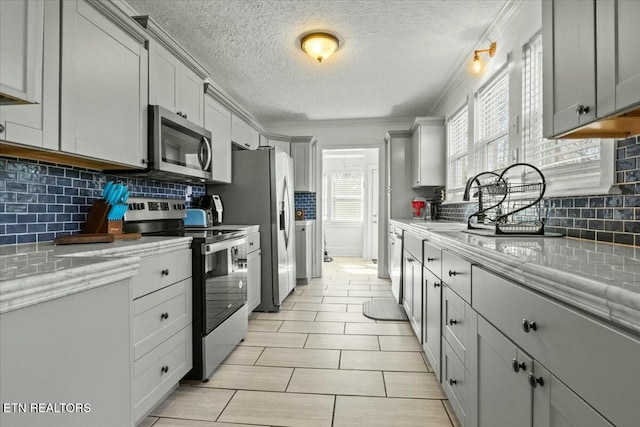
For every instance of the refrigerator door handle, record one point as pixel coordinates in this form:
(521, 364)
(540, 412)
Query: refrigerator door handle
(281, 217)
(284, 218)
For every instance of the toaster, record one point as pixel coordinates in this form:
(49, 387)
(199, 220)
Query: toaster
(198, 218)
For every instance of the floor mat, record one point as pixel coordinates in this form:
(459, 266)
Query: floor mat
(383, 309)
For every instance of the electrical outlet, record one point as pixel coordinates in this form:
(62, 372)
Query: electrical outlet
(189, 193)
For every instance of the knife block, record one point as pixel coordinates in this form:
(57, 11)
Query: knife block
(97, 220)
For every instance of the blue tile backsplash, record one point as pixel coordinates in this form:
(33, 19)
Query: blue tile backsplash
(604, 218)
(40, 201)
(306, 202)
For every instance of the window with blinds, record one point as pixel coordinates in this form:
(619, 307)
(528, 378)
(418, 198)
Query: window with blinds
(346, 195)
(457, 143)
(492, 139)
(562, 159)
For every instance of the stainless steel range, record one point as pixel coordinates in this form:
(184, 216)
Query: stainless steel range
(220, 314)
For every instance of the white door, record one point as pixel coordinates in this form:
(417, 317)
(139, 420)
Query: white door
(374, 196)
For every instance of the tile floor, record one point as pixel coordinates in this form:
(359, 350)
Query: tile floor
(319, 362)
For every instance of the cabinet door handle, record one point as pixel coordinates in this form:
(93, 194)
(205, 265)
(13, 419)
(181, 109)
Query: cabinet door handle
(250, 243)
(452, 381)
(164, 272)
(529, 326)
(518, 365)
(164, 316)
(582, 109)
(430, 259)
(453, 322)
(164, 369)
(535, 381)
(436, 284)
(453, 273)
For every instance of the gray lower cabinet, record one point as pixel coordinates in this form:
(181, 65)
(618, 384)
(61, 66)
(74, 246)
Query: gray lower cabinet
(162, 328)
(75, 350)
(431, 319)
(254, 262)
(407, 281)
(555, 405)
(412, 292)
(459, 385)
(515, 390)
(583, 353)
(504, 394)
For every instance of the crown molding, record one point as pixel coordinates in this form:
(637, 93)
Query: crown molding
(343, 123)
(165, 39)
(116, 13)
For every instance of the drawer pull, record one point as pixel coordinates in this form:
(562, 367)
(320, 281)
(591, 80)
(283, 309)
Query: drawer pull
(164, 316)
(164, 272)
(430, 259)
(529, 326)
(518, 365)
(164, 369)
(453, 273)
(453, 322)
(410, 259)
(534, 381)
(250, 243)
(436, 284)
(452, 381)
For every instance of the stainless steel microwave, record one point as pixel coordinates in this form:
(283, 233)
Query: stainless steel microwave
(178, 146)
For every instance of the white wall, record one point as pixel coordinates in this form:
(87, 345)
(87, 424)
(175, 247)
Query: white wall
(510, 32)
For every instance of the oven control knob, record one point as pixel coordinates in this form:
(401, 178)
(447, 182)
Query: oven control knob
(132, 206)
(140, 206)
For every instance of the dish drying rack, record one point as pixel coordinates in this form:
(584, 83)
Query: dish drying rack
(523, 213)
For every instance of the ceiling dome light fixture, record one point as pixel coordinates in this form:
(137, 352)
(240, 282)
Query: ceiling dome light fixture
(319, 45)
(476, 65)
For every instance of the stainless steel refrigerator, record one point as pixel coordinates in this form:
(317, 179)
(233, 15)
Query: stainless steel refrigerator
(261, 193)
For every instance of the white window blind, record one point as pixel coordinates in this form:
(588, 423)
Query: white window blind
(347, 192)
(566, 163)
(492, 141)
(457, 140)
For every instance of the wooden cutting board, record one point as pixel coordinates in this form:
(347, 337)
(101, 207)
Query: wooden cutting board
(84, 238)
(128, 236)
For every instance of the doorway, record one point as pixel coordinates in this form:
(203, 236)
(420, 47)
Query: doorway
(350, 202)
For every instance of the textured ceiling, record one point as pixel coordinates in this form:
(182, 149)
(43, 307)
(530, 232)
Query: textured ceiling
(394, 60)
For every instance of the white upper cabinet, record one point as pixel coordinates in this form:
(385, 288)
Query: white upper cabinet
(591, 68)
(283, 145)
(217, 120)
(21, 40)
(303, 155)
(36, 124)
(104, 92)
(568, 30)
(173, 85)
(243, 133)
(428, 152)
(618, 59)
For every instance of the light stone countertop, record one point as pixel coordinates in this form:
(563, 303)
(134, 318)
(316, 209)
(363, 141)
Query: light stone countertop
(37, 272)
(599, 278)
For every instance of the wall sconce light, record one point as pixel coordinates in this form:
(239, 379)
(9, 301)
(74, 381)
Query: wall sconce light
(477, 64)
(319, 46)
